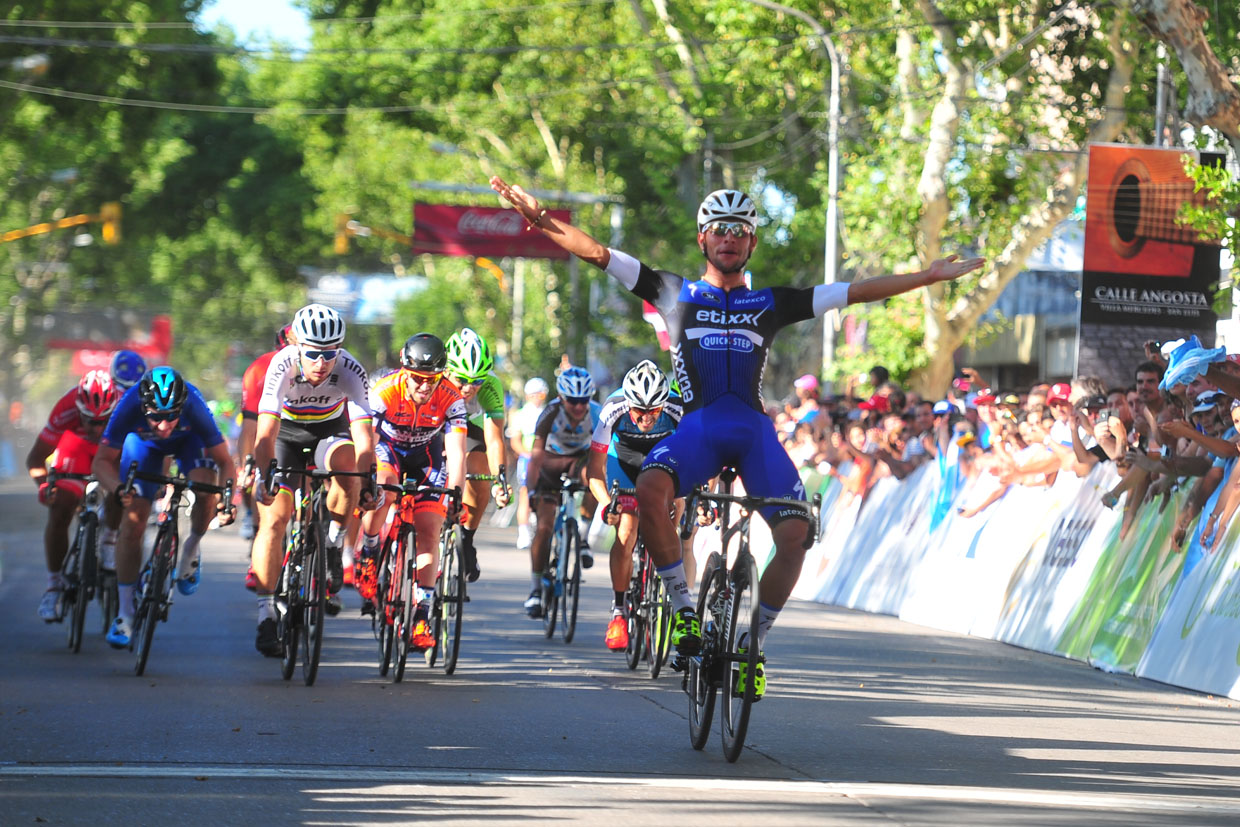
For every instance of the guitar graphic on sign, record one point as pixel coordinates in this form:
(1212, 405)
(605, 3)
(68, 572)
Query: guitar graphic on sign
(1134, 197)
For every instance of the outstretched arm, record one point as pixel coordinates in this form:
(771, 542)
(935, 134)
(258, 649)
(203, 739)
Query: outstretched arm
(884, 287)
(566, 235)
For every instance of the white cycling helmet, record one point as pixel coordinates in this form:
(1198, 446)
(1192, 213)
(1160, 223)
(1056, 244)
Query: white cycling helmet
(645, 386)
(727, 205)
(536, 385)
(317, 325)
(575, 382)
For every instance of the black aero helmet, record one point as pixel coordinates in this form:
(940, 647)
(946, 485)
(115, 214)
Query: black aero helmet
(424, 352)
(163, 389)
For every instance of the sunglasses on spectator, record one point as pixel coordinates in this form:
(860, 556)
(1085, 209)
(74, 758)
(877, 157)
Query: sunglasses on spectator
(576, 400)
(162, 416)
(420, 378)
(733, 228)
(324, 355)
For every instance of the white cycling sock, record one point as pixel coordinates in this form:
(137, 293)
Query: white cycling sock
(335, 534)
(536, 580)
(189, 554)
(55, 583)
(126, 592)
(267, 607)
(677, 584)
(766, 619)
(107, 547)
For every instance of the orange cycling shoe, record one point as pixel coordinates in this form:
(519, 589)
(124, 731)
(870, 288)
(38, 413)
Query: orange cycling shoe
(617, 633)
(422, 637)
(366, 578)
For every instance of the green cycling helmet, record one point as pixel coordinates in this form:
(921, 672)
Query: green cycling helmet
(469, 356)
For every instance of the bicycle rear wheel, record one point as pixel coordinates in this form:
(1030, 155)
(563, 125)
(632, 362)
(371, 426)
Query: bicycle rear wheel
(742, 626)
(551, 585)
(314, 601)
(288, 622)
(109, 600)
(385, 629)
(406, 600)
(154, 596)
(698, 682)
(658, 622)
(83, 562)
(634, 608)
(451, 600)
(572, 579)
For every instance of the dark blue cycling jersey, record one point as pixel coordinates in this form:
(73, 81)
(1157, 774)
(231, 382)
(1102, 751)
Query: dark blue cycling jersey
(130, 418)
(720, 338)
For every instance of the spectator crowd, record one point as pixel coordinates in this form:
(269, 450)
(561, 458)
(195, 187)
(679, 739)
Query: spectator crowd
(1174, 426)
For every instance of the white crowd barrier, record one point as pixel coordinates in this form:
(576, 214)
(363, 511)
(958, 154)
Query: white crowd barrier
(1041, 568)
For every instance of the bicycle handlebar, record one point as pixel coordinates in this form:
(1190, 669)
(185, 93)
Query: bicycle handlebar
(412, 488)
(613, 495)
(813, 509)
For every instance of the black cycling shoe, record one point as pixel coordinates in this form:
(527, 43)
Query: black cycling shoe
(268, 641)
(469, 557)
(333, 605)
(335, 569)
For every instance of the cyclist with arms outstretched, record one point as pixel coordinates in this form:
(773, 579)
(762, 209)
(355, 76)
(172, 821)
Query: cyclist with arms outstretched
(721, 332)
(633, 420)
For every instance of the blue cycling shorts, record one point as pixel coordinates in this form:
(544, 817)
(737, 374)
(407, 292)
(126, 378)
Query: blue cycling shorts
(187, 449)
(730, 432)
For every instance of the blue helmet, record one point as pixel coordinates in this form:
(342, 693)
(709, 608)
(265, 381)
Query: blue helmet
(163, 389)
(575, 382)
(127, 368)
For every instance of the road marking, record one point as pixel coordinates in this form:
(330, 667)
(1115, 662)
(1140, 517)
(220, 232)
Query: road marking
(1135, 802)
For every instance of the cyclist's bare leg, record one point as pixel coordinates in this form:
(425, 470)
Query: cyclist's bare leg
(686, 545)
(427, 525)
(622, 552)
(129, 542)
(343, 494)
(204, 504)
(785, 567)
(655, 493)
(540, 549)
(56, 533)
(268, 551)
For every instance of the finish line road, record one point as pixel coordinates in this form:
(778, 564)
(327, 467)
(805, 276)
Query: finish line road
(868, 720)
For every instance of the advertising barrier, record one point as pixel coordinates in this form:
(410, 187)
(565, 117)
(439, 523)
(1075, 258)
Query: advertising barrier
(1045, 568)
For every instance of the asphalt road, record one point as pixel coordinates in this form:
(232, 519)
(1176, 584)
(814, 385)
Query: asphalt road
(867, 721)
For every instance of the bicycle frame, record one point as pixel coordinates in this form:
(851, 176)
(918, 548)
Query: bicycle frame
(562, 581)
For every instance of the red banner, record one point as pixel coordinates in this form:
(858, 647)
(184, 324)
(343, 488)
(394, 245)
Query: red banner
(494, 232)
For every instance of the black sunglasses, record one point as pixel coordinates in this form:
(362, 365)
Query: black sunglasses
(163, 416)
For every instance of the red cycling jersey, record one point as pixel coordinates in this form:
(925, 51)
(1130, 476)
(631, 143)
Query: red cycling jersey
(252, 385)
(64, 418)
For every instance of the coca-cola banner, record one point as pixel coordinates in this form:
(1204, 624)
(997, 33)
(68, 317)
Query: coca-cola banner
(495, 232)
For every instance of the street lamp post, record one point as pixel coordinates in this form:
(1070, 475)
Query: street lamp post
(830, 266)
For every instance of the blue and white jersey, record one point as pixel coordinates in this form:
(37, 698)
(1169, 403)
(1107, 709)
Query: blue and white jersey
(619, 436)
(130, 418)
(562, 436)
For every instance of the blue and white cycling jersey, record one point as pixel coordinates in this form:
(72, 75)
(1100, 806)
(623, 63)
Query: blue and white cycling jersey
(626, 444)
(563, 437)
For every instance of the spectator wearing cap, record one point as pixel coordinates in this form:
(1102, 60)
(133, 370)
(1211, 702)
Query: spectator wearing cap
(804, 406)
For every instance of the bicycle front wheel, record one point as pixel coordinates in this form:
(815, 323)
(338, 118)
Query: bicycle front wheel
(385, 629)
(154, 597)
(83, 576)
(451, 599)
(551, 586)
(742, 632)
(698, 681)
(634, 608)
(406, 601)
(314, 602)
(572, 579)
(658, 622)
(288, 623)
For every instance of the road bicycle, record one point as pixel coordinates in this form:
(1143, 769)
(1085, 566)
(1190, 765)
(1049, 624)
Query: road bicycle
(728, 608)
(83, 569)
(397, 595)
(561, 582)
(647, 607)
(160, 569)
(301, 594)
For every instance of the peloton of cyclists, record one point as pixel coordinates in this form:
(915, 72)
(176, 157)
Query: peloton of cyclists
(561, 446)
(314, 400)
(162, 416)
(421, 426)
(721, 331)
(73, 430)
(634, 419)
